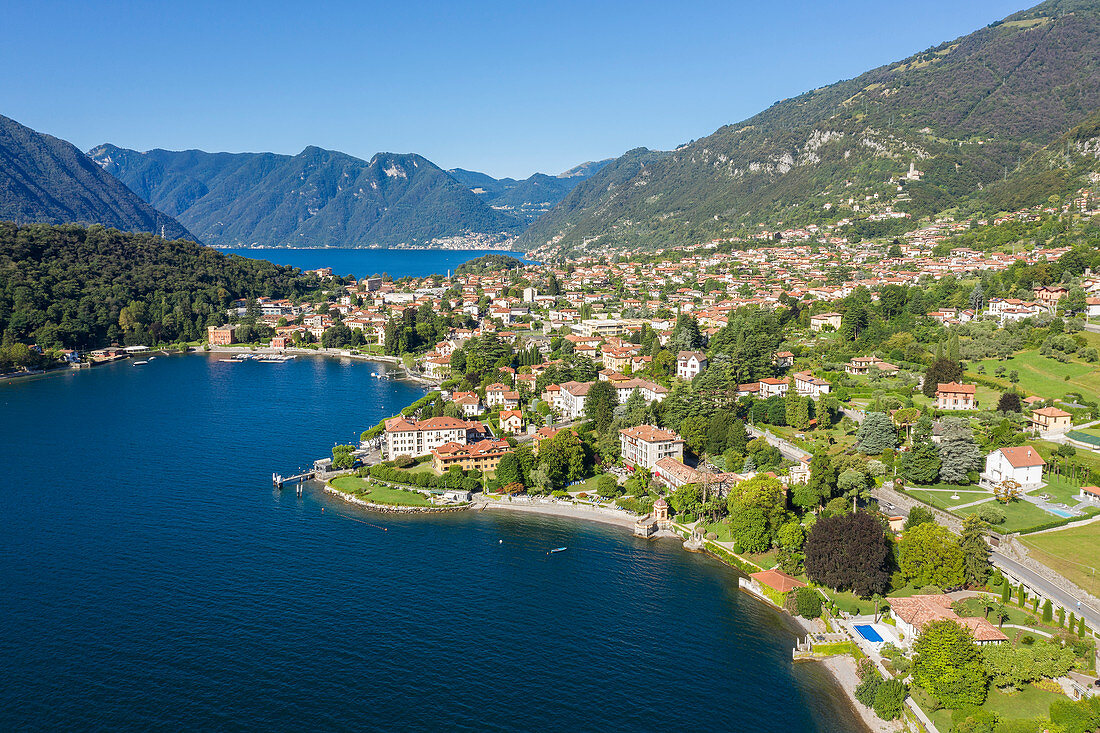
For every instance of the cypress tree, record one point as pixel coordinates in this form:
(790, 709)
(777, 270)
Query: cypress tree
(1048, 612)
(1006, 592)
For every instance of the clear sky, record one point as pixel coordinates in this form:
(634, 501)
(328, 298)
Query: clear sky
(508, 88)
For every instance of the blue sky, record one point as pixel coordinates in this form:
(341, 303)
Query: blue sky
(508, 88)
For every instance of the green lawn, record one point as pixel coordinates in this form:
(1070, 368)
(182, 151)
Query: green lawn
(1074, 552)
(378, 494)
(1046, 377)
(1016, 615)
(943, 500)
(1083, 457)
(588, 486)
(1019, 515)
(1059, 487)
(1030, 702)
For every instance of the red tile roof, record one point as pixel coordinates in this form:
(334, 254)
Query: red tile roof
(1022, 456)
(778, 580)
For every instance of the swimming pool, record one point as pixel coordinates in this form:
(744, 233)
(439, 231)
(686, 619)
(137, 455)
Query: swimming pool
(1059, 512)
(867, 631)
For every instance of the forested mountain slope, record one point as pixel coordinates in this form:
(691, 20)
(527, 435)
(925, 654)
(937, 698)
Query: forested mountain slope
(316, 198)
(46, 179)
(967, 114)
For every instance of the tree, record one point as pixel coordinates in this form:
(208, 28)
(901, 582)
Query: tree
(930, 555)
(509, 470)
(975, 551)
(342, 456)
(919, 515)
(921, 464)
(941, 371)
(821, 484)
(607, 486)
(876, 434)
(948, 665)
(600, 403)
(853, 484)
(1009, 402)
(890, 699)
(808, 602)
(1073, 303)
(849, 552)
(959, 454)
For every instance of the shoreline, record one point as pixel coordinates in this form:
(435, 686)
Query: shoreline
(393, 508)
(559, 509)
(400, 370)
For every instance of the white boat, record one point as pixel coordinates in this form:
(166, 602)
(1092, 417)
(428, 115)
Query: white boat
(139, 363)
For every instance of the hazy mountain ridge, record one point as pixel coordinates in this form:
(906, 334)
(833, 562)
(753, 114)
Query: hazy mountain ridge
(967, 113)
(529, 198)
(316, 198)
(46, 179)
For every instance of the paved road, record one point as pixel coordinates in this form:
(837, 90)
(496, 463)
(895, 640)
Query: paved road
(1047, 589)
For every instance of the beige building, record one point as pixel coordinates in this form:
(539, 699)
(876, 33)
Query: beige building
(955, 396)
(1051, 420)
(481, 456)
(821, 320)
(406, 436)
(644, 445)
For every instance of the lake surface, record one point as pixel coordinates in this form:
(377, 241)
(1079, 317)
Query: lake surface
(152, 578)
(367, 262)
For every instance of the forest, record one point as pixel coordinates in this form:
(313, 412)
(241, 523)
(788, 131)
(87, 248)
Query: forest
(88, 287)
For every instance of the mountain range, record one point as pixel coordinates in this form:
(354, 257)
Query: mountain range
(45, 179)
(1002, 118)
(1004, 115)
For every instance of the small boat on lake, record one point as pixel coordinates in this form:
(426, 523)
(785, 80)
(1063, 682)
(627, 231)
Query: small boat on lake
(139, 363)
(558, 549)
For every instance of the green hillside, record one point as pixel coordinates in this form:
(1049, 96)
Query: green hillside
(84, 288)
(968, 114)
(46, 179)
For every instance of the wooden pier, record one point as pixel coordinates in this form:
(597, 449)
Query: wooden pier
(278, 481)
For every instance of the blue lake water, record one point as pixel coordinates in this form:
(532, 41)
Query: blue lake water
(152, 578)
(367, 262)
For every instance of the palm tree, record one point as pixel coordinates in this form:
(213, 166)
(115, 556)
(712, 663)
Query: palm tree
(1000, 612)
(876, 599)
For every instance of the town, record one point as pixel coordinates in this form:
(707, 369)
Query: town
(896, 440)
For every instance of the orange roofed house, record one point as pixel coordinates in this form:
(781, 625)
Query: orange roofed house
(407, 436)
(481, 456)
(916, 612)
(777, 581)
(1051, 420)
(1021, 464)
(644, 445)
(955, 396)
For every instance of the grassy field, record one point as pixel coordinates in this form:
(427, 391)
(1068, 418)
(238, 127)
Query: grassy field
(1059, 487)
(378, 494)
(1030, 702)
(1019, 515)
(1083, 457)
(943, 500)
(1074, 552)
(1046, 377)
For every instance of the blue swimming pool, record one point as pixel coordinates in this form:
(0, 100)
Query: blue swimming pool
(867, 631)
(1059, 512)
